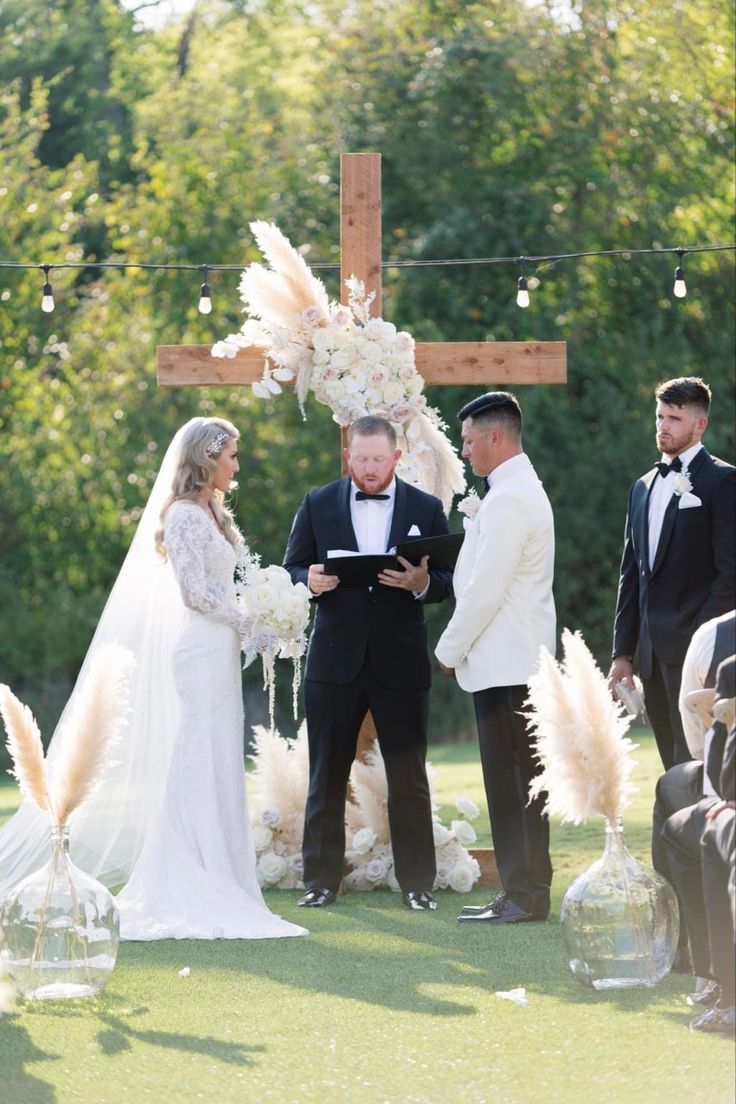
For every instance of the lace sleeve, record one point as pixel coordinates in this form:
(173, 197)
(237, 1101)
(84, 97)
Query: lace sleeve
(186, 536)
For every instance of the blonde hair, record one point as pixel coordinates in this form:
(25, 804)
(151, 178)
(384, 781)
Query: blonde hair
(194, 474)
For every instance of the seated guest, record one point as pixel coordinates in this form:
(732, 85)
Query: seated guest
(718, 867)
(681, 839)
(684, 784)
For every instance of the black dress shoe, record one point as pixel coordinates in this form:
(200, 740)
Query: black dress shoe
(419, 900)
(317, 898)
(716, 1021)
(705, 997)
(501, 911)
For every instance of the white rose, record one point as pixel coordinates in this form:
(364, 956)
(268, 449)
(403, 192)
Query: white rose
(364, 840)
(278, 575)
(262, 599)
(262, 837)
(401, 412)
(376, 870)
(461, 877)
(313, 315)
(377, 328)
(393, 392)
(441, 880)
(270, 868)
(403, 342)
(441, 834)
(463, 832)
(464, 805)
(270, 816)
(341, 316)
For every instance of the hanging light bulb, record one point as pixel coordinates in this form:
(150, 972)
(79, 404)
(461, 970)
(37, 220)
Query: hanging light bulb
(680, 288)
(204, 306)
(47, 302)
(522, 295)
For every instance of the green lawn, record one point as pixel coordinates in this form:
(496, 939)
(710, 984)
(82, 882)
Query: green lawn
(379, 1006)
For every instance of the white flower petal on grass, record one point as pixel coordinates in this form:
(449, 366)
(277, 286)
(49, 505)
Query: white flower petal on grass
(185, 972)
(518, 996)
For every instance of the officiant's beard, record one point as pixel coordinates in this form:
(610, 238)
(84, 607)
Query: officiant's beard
(369, 484)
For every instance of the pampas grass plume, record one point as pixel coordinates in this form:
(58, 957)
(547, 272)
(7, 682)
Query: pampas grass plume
(581, 736)
(282, 292)
(26, 749)
(91, 730)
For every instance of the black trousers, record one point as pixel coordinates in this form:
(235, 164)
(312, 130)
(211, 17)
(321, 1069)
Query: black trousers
(520, 831)
(681, 837)
(661, 695)
(334, 716)
(678, 788)
(719, 891)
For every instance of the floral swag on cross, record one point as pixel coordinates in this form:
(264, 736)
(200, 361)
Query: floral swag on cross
(353, 363)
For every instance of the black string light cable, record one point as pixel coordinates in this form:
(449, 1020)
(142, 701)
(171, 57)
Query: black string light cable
(204, 304)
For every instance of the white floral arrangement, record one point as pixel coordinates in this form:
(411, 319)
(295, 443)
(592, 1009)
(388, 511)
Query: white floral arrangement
(683, 484)
(278, 613)
(281, 777)
(353, 363)
(368, 840)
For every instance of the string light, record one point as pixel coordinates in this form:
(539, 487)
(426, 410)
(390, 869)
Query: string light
(522, 295)
(204, 306)
(680, 288)
(47, 302)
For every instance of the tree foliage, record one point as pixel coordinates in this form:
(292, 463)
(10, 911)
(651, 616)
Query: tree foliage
(508, 129)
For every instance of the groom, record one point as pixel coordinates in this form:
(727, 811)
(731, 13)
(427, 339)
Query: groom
(368, 651)
(505, 612)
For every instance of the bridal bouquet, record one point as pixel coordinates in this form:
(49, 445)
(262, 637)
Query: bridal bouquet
(353, 363)
(278, 613)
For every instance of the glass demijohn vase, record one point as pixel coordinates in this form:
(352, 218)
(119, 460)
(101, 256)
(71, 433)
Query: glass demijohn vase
(59, 930)
(620, 920)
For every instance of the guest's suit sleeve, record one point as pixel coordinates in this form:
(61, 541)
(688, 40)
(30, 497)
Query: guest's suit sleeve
(722, 596)
(498, 553)
(440, 579)
(626, 622)
(301, 550)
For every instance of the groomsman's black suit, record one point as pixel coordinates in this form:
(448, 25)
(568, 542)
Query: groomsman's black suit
(367, 651)
(692, 579)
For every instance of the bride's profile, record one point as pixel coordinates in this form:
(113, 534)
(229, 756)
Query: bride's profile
(169, 818)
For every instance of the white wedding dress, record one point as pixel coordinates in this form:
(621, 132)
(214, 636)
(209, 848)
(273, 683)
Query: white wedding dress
(169, 816)
(195, 877)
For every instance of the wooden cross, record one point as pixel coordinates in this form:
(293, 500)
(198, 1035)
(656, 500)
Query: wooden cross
(469, 362)
(458, 362)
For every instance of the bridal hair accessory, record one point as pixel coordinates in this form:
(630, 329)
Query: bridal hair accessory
(214, 448)
(355, 364)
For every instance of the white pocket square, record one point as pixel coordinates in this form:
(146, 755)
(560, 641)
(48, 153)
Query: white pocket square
(687, 501)
(414, 531)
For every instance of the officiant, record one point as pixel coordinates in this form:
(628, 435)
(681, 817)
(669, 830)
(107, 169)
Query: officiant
(368, 652)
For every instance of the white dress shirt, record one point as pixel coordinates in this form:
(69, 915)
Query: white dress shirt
(371, 518)
(659, 499)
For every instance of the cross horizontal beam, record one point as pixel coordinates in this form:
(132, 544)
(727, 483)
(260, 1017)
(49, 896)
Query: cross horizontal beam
(448, 362)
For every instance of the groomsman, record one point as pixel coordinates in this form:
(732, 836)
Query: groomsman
(368, 651)
(679, 561)
(505, 612)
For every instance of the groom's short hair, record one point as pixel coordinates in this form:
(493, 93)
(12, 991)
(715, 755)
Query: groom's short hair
(371, 425)
(685, 391)
(497, 408)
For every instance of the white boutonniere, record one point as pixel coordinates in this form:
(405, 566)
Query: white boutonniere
(682, 483)
(470, 505)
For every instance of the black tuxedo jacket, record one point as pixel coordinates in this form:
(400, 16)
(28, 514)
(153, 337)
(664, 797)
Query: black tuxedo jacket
(384, 624)
(693, 577)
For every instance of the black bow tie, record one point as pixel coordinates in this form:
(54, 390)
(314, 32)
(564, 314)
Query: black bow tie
(361, 496)
(664, 468)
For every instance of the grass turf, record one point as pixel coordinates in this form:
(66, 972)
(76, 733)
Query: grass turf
(378, 1005)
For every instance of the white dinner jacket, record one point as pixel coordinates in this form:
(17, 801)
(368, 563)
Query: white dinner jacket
(503, 584)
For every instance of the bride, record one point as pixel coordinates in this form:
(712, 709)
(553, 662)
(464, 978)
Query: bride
(170, 817)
